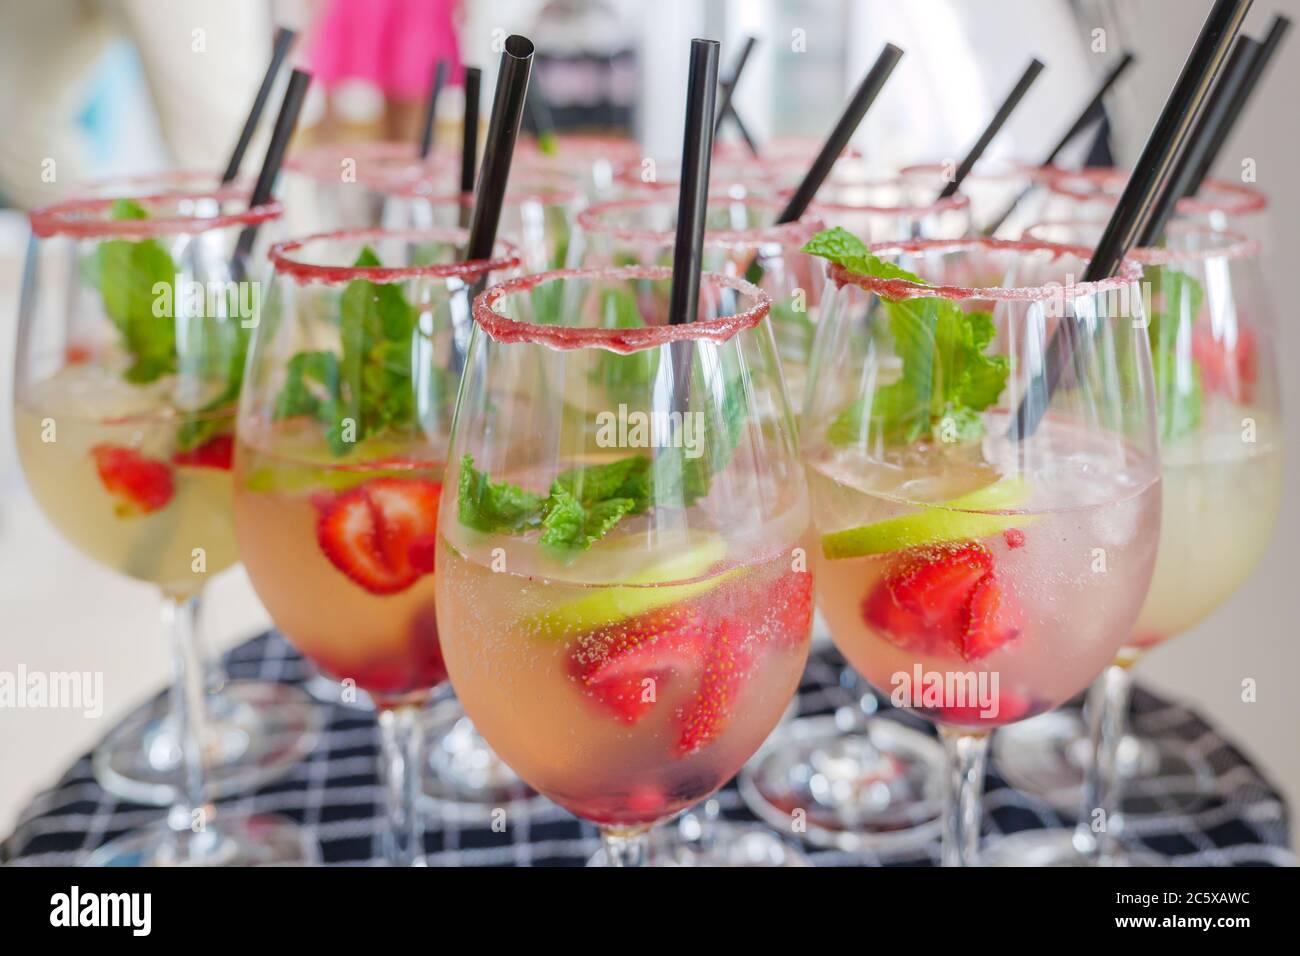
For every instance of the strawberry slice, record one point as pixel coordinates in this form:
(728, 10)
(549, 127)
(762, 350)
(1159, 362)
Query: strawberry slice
(990, 620)
(368, 532)
(615, 662)
(217, 452)
(921, 602)
(1230, 370)
(141, 485)
(726, 668)
(1010, 706)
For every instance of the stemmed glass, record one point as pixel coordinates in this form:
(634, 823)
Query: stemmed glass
(341, 440)
(987, 539)
(1212, 341)
(255, 729)
(132, 328)
(867, 784)
(623, 594)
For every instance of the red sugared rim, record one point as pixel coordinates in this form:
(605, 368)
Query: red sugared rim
(953, 203)
(592, 146)
(903, 289)
(622, 341)
(785, 234)
(285, 265)
(67, 218)
(1233, 245)
(321, 162)
(994, 170)
(542, 187)
(1103, 186)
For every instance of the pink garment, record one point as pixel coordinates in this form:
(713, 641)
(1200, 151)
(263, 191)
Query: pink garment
(390, 43)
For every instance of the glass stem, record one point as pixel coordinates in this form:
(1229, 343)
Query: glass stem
(401, 734)
(1108, 701)
(967, 753)
(190, 815)
(214, 670)
(626, 846)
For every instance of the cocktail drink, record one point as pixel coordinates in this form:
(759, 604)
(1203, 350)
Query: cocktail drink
(341, 443)
(867, 785)
(742, 238)
(982, 533)
(132, 332)
(1211, 339)
(623, 594)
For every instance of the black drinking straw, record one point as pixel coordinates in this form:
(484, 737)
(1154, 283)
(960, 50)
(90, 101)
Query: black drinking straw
(283, 40)
(999, 119)
(1267, 47)
(839, 137)
(1151, 175)
(1087, 116)
(285, 122)
(438, 78)
(725, 107)
(503, 130)
(469, 140)
(693, 195)
(1214, 118)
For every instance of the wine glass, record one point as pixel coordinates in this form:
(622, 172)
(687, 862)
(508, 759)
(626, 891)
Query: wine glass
(987, 539)
(132, 327)
(869, 785)
(340, 445)
(255, 729)
(623, 594)
(1212, 340)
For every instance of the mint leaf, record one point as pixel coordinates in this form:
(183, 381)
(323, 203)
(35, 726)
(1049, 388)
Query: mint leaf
(946, 378)
(624, 478)
(845, 249)
(570, 525)
(1176, 302)
(128, 271)
(495, 506)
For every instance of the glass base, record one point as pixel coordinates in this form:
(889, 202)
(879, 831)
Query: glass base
(233, 840)
(1057, 848)
(329, 691)
(728, 844)
(465, 780)
(877, 787)
(256, 731)
(1046, 756)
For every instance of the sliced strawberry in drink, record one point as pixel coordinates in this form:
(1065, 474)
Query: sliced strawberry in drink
(921, 602)
(1230, 370)
(1010, 707)
(217, 452)
(990, 621)
(625, 666)
(726, 668)
(141, 485)
(368, 532)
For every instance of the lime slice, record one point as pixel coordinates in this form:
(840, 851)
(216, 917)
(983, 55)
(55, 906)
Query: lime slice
(609, 604)
(956, 520)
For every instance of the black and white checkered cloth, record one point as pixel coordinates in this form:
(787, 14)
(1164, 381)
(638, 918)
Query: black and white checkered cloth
(336, 794)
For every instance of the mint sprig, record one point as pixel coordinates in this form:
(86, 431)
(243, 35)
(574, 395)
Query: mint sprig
(128, 270)
(946, 377)
(368, 381)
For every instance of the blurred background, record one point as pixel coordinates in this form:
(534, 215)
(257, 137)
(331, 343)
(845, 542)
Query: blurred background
(98, 88)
